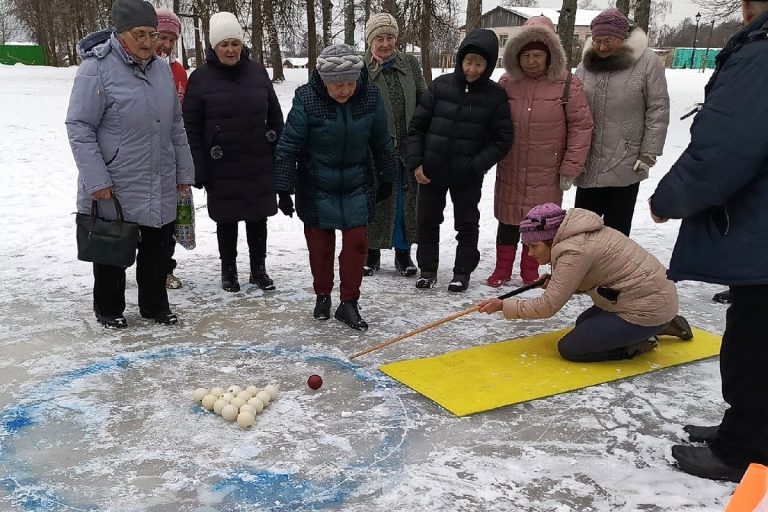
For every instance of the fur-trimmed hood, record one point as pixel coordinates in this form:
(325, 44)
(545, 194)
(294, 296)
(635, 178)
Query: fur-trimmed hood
(629, 53)
(531, 32)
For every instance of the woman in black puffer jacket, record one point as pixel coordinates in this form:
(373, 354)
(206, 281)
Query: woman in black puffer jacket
(233, 118)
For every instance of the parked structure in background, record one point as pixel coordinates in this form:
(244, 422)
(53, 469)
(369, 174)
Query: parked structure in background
(700, 57)
(22, 53)
(295, 62)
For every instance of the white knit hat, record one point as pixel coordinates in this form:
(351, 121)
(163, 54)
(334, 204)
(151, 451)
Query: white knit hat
(224, 25)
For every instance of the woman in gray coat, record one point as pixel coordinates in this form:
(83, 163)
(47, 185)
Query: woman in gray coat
(128, 140)
(627, 92)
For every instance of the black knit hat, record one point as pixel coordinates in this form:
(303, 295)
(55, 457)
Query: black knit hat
(128, 14)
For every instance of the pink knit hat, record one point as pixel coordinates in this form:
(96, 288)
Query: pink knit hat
(541, 223)
(610, 22)
(167, 21)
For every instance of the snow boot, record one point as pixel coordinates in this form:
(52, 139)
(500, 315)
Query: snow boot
(679, 328)
(641, 347)
(163, 318)
(701, 434)
(323, 307)
(229, 281)
(349, 313)
(372, 262)
(426, 280)
(529, 267)
(505, 258)
(260, 278)
(403, 262)
(459, 283)
(112, 321)
(723, 297)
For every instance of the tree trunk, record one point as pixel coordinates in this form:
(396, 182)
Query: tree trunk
(227, 5)
(274, 43)
(349, 23)
(390, 6)
(623, 7)
(565, 28)
(257, 35)
(311, 37)
(327, 9)
(198, 39)
(367, 10)
(425, 39)
(474, 11)
(643, 14)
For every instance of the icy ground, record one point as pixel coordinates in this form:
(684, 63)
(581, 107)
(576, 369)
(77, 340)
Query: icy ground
(99, 420)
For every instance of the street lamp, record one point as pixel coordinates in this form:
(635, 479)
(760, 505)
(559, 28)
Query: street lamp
(695, 35)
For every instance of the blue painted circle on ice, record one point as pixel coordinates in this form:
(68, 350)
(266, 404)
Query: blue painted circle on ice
(265, 490)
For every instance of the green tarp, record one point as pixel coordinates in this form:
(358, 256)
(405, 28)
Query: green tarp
(682, 58)
(22, 54)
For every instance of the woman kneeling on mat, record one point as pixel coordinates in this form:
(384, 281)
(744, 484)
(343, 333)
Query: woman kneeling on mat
(633, 299)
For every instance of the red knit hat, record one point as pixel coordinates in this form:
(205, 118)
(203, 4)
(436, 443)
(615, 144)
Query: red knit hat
(167, 21)
(610, 22)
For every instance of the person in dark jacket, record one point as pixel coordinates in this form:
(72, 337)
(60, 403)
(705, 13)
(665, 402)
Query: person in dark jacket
(719, 187)
(336, 121)
(127, 136)
(460, 129)
(401, 84)
(233, 119)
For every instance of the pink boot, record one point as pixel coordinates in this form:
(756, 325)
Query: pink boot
(529, 267)
(505, 258)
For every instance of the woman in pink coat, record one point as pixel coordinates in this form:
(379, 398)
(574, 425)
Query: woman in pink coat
(553, 131)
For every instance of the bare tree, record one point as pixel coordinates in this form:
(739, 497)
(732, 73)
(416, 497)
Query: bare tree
(520, 3)
(349, 22)
(8, 25)
(474, 12)
(719, 9)
(327, 9)
(257, 35)
(623, 6)
(426, 32)
(643, 14)
(311, 36)
(275, 55)
(587, 4)
(565, 28)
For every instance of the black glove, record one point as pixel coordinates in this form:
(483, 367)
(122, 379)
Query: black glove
(384, 191)
(285, 203)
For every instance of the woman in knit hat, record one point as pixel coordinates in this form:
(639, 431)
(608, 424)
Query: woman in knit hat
(233, 119)
(401, 83)
(633, 299)
(337, 120)
(627, 92)
(553, 130)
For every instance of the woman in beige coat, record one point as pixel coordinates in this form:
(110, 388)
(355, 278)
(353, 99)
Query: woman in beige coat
(633, 299)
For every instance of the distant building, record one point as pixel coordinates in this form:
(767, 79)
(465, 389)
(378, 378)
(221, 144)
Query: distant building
(295, 62)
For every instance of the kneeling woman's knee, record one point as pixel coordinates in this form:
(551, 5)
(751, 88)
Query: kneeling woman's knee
(569, 349)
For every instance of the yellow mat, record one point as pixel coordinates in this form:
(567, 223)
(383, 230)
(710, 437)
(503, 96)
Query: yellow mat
(490, 376)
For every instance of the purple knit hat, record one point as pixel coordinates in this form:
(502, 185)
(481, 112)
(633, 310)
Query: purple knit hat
(610, 22)
(541, 223)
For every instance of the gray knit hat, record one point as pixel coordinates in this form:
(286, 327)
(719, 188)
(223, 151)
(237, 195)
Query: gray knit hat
(128, 14)
(339, 63)
(381, 23)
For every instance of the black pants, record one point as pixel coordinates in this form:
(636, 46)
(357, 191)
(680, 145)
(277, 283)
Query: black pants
(109, 281)
(432, 199)
(256, 235)
(616, 205)
(743, 433)
(171, 250)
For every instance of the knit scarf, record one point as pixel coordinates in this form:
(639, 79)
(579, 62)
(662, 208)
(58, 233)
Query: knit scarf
(385, 63)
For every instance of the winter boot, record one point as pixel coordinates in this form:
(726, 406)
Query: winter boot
(323, 307)
(229, 280)
(505, 258)
(403, 262)
(459, 283)
(372, 262)
(723, 297)
(701, 434)
(112, 321)
(529, 267)
(260, 278)
(641, 347)
(426, 280)
(679, 328)
(163, 318)
(349, 313)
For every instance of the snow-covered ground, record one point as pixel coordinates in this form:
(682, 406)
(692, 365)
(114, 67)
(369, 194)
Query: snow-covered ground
(92, 419)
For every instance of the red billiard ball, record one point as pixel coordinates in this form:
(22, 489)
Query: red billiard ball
(315, 381)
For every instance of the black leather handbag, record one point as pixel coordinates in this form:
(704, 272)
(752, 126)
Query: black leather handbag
(107, 242)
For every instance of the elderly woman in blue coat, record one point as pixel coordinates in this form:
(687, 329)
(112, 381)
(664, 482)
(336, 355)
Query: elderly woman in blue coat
(336, 121)
(128, 140)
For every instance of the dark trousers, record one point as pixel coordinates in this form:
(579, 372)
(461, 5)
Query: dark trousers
(602, 336)
(432, 199)
(109, 281)
(743, 433)
(171, 250)
(507, 234)
(256, 235)
(616, 205)
(321, 244)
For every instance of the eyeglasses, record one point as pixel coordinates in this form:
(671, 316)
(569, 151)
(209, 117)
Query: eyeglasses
(140, 37)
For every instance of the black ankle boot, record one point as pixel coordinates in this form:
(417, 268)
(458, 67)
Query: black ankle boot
(372, 262)
(403, 262)
(349, 313)
(459, 283)
(679, 328)
(229, 280)
(426, 279)
(260, 278)
(112, 321)
(323, 307)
